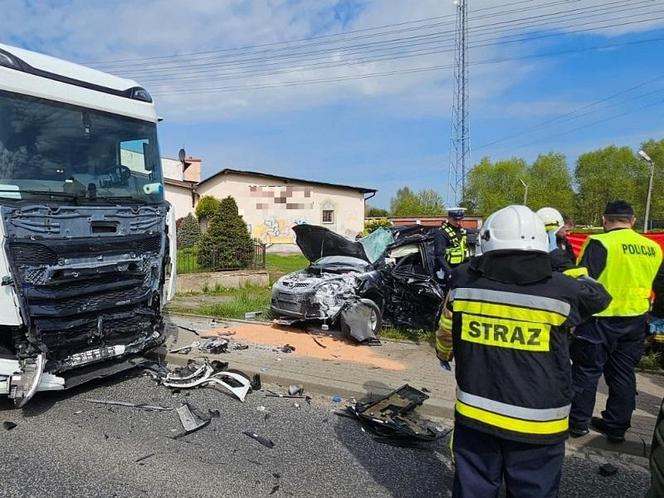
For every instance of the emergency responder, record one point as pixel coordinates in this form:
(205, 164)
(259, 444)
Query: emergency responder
(554, 224)
(455, 238)
(627, 264)
(509, 315)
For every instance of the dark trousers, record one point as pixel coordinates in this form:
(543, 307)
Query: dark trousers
(482, 461)
(612, 346)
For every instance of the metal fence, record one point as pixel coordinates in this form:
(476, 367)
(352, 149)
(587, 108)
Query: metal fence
(187, 261)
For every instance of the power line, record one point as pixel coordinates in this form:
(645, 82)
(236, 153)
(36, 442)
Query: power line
(512, 24)
(318, 37)
(258, 72)
(225, 89)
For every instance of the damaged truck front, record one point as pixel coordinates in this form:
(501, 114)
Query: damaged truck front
(87, 254)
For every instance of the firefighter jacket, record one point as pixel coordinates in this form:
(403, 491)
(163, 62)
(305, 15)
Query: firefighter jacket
(510, 316)
(456, 250)
(627, 264)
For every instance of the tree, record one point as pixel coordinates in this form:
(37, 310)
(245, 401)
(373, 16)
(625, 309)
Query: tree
(188, 232)
(655, 149)
(426, 202)
(207, 206)
(227, 243)
(550, 184)
(605, 175)
(491, 186)
(371, 226)
(375, 212)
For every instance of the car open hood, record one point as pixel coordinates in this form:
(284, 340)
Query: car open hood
(316, 242)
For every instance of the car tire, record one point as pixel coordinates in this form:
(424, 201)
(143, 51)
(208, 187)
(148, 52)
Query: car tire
(376, 316)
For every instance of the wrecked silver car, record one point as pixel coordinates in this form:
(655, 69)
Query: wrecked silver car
(87, 248)
(386, 278)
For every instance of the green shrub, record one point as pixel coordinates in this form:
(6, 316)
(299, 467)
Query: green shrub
(206, 207)
(227, 243)
(189, 232)
(373, 225)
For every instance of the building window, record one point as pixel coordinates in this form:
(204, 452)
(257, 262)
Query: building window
(328, 216)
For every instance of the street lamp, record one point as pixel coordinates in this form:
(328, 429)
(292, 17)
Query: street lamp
(525, 192)
(646, 157)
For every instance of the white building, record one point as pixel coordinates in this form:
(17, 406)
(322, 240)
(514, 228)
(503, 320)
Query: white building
(270, 204)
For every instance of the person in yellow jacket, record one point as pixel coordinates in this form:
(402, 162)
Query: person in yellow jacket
(506, 321)
(627, 264)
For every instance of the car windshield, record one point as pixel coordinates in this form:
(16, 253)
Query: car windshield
(340, 261)
(55, 151)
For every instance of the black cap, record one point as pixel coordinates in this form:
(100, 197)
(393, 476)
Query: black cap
(619, 208)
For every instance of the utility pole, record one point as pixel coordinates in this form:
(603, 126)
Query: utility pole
(459, 129)
(525, 192)
(646, 158)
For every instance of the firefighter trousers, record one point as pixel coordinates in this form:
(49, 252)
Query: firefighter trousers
(482, 461)
(611, 346)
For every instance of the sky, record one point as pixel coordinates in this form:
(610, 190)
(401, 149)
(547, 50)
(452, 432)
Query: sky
(360, 92)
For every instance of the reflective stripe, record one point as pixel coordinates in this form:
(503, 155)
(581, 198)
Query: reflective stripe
(533, 414)
(512, 298)
(512, 424)
(510, 312)
(576, 272)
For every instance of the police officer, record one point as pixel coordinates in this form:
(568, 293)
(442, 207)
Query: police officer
(509, 315)
(556, 229)
(627, 264)
(455, 238)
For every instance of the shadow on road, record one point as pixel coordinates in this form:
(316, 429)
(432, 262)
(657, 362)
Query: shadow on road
(403, 472)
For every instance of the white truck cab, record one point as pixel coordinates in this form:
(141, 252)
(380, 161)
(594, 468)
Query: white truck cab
(87, 241)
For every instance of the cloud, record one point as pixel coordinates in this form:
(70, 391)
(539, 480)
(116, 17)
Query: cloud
(221, 80)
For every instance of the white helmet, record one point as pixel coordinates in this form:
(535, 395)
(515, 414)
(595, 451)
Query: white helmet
(553, 220)
(514, 228)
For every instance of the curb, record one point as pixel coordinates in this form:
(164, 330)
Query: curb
(633, 445)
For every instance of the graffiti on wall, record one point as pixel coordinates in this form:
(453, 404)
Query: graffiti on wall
(277, 231)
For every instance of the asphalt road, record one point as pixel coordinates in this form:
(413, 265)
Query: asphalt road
(65, 446)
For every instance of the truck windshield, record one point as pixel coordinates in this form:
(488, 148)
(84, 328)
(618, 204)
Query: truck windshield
(55, 151)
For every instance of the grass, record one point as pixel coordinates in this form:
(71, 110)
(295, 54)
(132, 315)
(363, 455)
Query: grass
(234, 303)
(651, 361)
(408, 335)
(279, 265)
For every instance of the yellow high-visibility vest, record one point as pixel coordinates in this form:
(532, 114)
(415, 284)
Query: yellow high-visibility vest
(632, 262)
(458, 252)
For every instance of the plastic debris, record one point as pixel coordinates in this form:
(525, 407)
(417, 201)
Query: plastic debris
(392, 419)
(295, 389)
(256, 384)
(336, 398)
(252, 315)
(287, 348)
(144, 457)
(275, 488)
(141, 406)
(8, 426)
(190, 422)
(240, 347)
(264, 441)
(214, 346)
(188, 329)
(608, 470)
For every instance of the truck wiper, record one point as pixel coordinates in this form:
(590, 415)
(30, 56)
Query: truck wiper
(43, 192)
(118, 198)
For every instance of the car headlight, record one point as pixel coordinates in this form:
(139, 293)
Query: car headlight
(328, 293)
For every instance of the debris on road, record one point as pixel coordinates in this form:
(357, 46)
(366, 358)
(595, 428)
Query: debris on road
(252, 315)
(316, 340)
(8, 426)
(264, 441)
(190, 422)
(392, 418)
(188, 330)
(141, 406)
(199, 375)
(186, 349)
(336, 398)
(287, 348)
(149, 455)
(214, 346)
(295, 389)
(272, 394)
(240, 347)
(608, 470)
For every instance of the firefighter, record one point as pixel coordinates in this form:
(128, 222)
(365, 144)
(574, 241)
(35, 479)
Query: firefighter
(556, 228)
(627, 264)
(455, 238)
(506, 321)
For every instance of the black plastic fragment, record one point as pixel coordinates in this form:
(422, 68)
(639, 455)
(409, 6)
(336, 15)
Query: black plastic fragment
(8, 426)
(256, 383)
(608, 470)
(287, 348)
(263, 440)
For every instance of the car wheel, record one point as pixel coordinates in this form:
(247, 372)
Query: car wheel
(376, 317)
